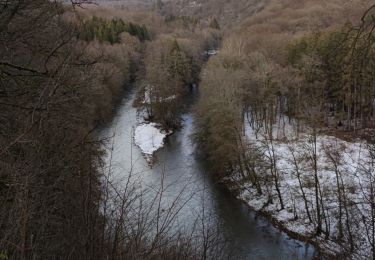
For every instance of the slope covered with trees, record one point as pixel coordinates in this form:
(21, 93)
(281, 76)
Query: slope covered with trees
(285, 119)
(102, 30)
(55, 90)
(172, 67)
(285, 80)
(227, 12)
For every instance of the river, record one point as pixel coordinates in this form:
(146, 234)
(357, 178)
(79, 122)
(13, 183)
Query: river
(249, 236)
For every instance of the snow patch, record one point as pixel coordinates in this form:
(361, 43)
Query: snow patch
(290, 152)
(211, 52)
(149, 100)
(149, 138)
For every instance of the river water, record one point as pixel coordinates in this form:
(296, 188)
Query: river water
(183, 172)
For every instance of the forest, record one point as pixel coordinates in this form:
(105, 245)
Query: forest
(292, 131)
(284, 120)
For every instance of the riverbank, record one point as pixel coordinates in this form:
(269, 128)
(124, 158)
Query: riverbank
(339, 181)
(321, 250)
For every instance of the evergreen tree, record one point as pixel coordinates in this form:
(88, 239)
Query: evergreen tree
(109, 31)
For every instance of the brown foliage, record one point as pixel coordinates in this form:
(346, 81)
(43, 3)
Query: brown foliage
(53, 90)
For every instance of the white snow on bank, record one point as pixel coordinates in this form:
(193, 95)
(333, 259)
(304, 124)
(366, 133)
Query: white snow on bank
(149, 138)
(211, 52)
(149, 100)
(292, 155)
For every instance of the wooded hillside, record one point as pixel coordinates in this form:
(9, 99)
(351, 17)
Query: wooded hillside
(62, 72)
(284, 81)
(285, 119)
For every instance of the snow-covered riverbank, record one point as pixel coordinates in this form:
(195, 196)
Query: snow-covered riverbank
(345, 172)
(149, 137)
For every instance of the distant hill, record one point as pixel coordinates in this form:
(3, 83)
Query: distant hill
(227, 12)
(143, 4)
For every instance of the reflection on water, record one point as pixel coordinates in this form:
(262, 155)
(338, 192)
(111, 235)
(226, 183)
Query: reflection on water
(181, 170)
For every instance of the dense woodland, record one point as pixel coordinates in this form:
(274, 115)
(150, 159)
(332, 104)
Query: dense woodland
(62, 70)
(285, 119)
(109, 31)
(276, 105)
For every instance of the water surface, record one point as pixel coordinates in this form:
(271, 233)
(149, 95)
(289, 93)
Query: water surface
(181, 170)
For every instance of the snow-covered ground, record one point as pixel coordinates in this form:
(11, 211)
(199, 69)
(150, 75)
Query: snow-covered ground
(211, 52)
(345, 171)
(148, 96)
(149, 138)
